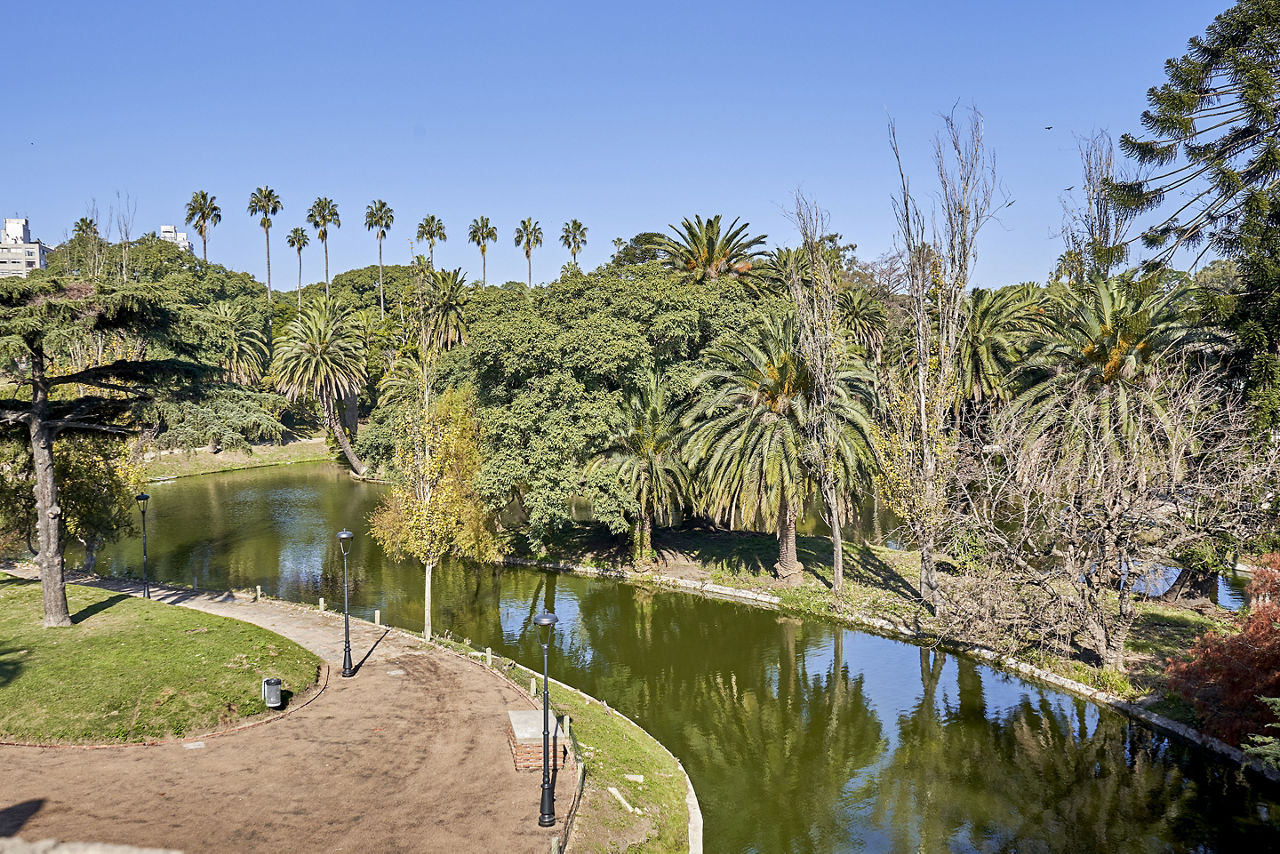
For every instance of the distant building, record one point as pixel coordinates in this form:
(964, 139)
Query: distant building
(170, 234)
(19, 254)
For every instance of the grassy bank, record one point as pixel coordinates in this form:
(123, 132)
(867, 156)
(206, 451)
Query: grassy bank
(132, 670)
(200, 461)
(880, 584)
(614, 748)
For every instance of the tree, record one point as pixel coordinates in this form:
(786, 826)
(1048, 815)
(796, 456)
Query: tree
(298, 241)
(996, 334)
(528, 237)
(265, 201)
(915, 453)
(480, 232)
(378, 217)
(701, 250)
(574, 237)
(202, 212)
(54, 395)
(1217, 112)
(431, 229)
(99, 482)
(320, 354)
(643, 453)
(241, 342)
(324, 213)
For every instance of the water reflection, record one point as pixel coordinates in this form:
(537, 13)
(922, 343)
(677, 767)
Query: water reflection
(799, 736)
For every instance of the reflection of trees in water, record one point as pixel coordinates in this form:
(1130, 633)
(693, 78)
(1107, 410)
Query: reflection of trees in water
(1033, 779)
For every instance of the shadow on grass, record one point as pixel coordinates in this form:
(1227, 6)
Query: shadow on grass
(13, 818)
(10, 666)
(98, 607)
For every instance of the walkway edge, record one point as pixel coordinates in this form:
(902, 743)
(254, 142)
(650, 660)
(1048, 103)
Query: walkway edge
(892, 630)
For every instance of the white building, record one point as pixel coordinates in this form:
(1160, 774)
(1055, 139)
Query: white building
(19, 254)
(170, 234)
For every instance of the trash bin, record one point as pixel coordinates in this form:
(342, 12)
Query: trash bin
(271, 693)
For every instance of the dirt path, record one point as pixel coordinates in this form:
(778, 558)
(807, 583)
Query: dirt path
(408, 755)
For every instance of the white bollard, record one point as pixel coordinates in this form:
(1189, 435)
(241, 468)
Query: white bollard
(488, 657)
(377, 617)
(321, 603)
(257, 592)
(533, 687)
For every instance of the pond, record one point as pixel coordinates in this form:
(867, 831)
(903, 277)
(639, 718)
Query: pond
(799, 735)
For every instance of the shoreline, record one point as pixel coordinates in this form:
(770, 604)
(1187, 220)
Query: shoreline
(889, 629)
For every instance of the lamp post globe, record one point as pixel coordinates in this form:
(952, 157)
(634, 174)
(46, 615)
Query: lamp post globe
(546, 622)
(344, 542)
(142, 498)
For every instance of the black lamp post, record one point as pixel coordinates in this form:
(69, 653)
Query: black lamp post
(142, 498)
(344, 541)
(546, 622)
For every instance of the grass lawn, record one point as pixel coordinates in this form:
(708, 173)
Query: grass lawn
(132, 670)
(200, 461)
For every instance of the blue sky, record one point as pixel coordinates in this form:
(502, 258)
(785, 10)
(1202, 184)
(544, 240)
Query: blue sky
(628, 117)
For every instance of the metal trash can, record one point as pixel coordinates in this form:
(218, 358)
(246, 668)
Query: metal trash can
(271, 693)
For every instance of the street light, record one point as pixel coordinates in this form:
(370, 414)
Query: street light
(546, 622)
(142, 498)
(344, 542)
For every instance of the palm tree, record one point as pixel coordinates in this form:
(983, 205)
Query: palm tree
(748, 438)
(324, 213)
(529, 238)
(245, 348)
(643, 451)
(378, 217)
(298, 240)
(574, 238)
(481, 232)
(265, 201)
(700, 249)
(865, 320)
(86, 228)
(431, 229)
(1104, 339)
(321, 354)
(995, 339)
(444, 305)
(203, 212)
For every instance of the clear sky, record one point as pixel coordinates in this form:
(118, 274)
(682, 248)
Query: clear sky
(626, 116)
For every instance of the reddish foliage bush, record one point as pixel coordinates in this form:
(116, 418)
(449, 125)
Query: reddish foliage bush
(1227, 673)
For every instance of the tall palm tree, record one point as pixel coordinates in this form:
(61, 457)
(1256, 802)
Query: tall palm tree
(703, 250)
(265, 201)
(529, 238)
(481, 232)
(321, 354)
(431, 229)
(378, 217)
(86, 227)
(643, 451)
(865, 320)
(298, 240)
(444, 304)
(748, 437)
(324, 213)
(574, 238)
(203, 212)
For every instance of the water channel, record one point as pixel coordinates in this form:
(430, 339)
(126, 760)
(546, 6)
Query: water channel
(799, 735)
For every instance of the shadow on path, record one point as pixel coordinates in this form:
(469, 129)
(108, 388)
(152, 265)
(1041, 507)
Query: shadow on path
(13, 818)
(360, 664)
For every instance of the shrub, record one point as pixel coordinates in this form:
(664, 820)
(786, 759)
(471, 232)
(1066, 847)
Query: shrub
(1228, 675)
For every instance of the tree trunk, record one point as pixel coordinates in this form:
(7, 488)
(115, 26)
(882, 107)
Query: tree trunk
(53, 585)
(484, 270)
(91, 547)
(299, 280)
(325, 244)
(837, 537)
(788, 568)
(643, 541)
(382, 302)
(204, 249)
(341, 435)
(428, 567)
(528, 257)
(267, 232)
(929, 574)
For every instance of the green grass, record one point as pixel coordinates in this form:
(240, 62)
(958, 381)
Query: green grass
(185, 463)
(131, 670)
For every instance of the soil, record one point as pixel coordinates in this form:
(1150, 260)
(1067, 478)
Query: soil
(410, 754)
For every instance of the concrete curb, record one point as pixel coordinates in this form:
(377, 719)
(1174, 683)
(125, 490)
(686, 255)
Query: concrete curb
(900, 632)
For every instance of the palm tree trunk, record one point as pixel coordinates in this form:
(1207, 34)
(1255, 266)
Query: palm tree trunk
(484, 269)
(267, 232)
(837, 538)
(204, 248)
(325, 242)
(431, 253)
(788, 568)
(331, 415)
(299, 280)
(528, 257)
(382, 302)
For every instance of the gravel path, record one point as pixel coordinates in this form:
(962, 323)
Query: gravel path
(408, 755)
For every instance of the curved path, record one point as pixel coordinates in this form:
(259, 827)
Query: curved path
(411, 754)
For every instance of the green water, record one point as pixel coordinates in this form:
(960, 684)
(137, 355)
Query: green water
(799, 735)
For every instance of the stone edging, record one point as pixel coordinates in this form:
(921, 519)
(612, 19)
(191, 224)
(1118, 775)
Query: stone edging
(898, 632)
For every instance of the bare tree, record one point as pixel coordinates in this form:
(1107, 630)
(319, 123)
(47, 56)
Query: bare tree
(1096, 232)
(1077, 521)
(126, 208)
(914, 445)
